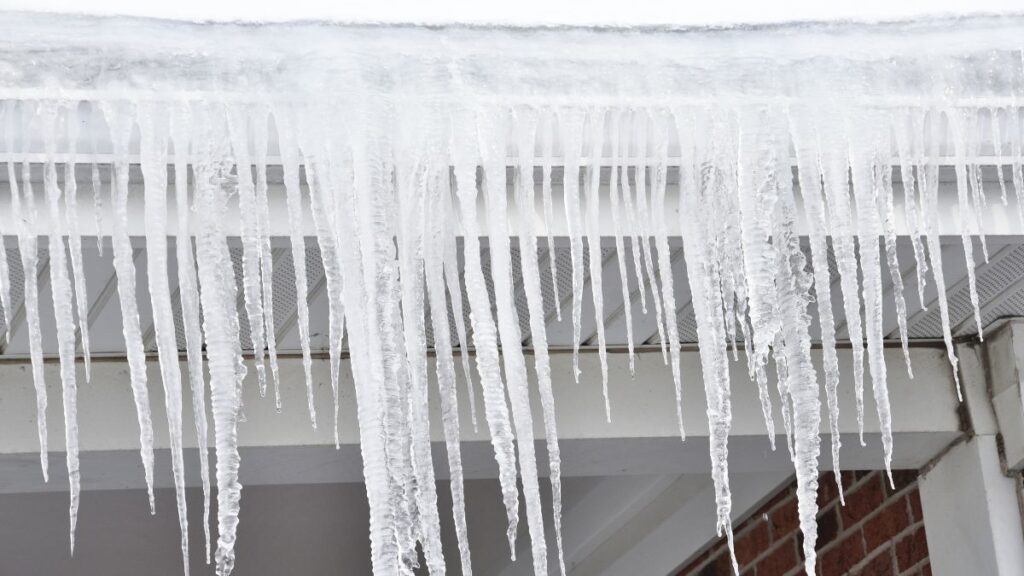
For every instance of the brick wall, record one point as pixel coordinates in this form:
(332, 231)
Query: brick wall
(880, 532)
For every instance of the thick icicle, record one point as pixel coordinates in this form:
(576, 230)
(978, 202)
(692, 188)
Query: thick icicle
(290, 166)
(120, 121)
(188, 293)
(809, 173)
(74, 238)
(220, 323)
(412, 199)
(28, 247)
(524, 196)
(707, 307)
(153, 129)
(571, 129)
(592, 226)
(60, 290)
(484, 331)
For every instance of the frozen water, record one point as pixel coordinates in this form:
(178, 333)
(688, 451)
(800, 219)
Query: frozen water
(396, 146)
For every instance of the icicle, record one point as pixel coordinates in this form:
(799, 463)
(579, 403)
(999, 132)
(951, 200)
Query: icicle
(28, 247)
(220, 326)
(252, 290)
(592, 224)
(454, 285)
(659, 183)
(632, 220)
(484, 332)
(74, 237)
(809, 173)
(997, 151)
(412, 192)
(571, 130)
(756, 203)
(524, 196)
(153, 130)
(908, 149)
(433, 256)
(620, 251)
(644, 227)
(97, 184)
(930, 209)
(491, 132)
(120, 122)
(260, 138)
(707, 306)
(188, 292)
(968, 210)
(547, 127)
(836, 177)
(61, 291)
(884, 202)
(866, 159)
(290, 166)
(323, 209)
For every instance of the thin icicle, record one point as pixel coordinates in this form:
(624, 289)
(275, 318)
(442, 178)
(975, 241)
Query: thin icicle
(97, 184)
(61, 292)
(454, 285)
(74, 237)
(290, 166)
(433, 257)
(547, 128)
(866, 161)
(643, 217)
(834, 157)
(968, 210)
(592, 227)
(632, 223)
(260, 137)
(491, 131)
(620, 251)
(120, 121)
(908, 149)
(188, 292)
(28, 247)
(153, 128)
(571, 129)
(884, 201)
(659, 184)
(484, 331)
(524, 196)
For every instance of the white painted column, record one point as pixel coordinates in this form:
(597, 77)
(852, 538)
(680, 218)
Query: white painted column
(972, 510)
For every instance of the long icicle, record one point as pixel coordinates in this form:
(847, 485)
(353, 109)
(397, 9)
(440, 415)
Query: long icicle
(74, 237)
(153, 128)
(120, 121)
(188, 291)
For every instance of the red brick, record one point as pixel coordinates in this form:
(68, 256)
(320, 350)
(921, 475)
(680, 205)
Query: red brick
(926, 570)
(911, 549)
(915, 505)
(881, 565)
(828, 492)
(781, 560)
(862, 502)
(751, 542)
(719, 566)
(840, 558)
(785, 520)
(883, 526)
(828, 529)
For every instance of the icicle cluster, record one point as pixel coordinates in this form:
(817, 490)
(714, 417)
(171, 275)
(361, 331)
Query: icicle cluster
(396, 152)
